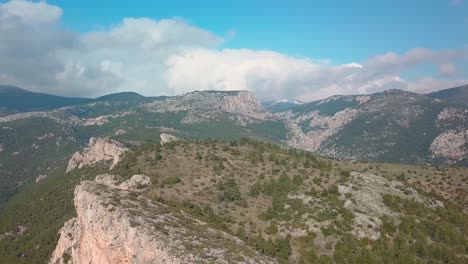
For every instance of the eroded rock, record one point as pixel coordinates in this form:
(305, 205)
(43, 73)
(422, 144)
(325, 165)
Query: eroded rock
(120, 226)
(40, 178)
(166, 138)
(366, 202)
(98, 150)
(451, 145)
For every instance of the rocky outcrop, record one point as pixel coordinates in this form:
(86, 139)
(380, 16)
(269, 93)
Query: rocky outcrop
(98, 150)
(451, 146)
(203, 106)
(166, 138)
(56, 115)
(363, 196)
(115, 226)
(136, 183)
(450, 114)
(320, 128)
(40, 177)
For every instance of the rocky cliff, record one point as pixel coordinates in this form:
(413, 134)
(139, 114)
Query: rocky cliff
(205, 105)
(98, 150)
(115, 223)
(391, 126)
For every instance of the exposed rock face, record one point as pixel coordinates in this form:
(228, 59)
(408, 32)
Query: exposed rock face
(61, 116)
(99, 149)
(166, 138)
(451, 145)
(367, 203)
(320, 128)
(205, 105)
(379, 126)
(40, 178)
(136, 183)
(56, 115)
(120, 132)
(451, 114)
(119, 226)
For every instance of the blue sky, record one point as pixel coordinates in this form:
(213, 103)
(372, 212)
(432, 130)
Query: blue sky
(278, 49)
(343, 31)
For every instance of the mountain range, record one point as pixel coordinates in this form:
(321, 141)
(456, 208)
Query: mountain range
(219, 175)
(40, 131)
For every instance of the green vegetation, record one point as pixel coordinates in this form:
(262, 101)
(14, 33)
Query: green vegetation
(42, 209)
(282, 202)
(172, 180)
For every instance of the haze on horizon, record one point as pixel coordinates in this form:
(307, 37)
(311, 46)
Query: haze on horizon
(294, 50)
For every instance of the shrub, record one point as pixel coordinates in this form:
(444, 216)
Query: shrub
(172, 180)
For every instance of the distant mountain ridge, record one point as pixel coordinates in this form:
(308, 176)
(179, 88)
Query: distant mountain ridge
(391, 126)
(458, 95)
(17, 100)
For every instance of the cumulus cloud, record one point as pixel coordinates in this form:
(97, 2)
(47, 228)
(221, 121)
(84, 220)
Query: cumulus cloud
(273, 75)
(171, 56)
(447, 69)
(40, 56)
(429, 84)
(31, 13)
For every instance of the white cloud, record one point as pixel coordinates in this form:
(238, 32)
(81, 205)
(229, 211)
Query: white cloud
(447, 69)
(273, 75)
(429, 84)
(456, 2)
(31, 13)
(171, 56)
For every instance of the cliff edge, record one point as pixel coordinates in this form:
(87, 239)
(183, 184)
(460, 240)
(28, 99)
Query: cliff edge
(115, 223)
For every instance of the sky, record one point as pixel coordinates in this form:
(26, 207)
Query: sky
(304, 50)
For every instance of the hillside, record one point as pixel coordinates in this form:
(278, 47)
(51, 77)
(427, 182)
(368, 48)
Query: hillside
(16, 100)
(392, 126)
(286, 204)
(35, 143)
(457, 95)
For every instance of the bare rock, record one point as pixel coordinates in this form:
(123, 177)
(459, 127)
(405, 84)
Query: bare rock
(40, 178)
(98, 150)
(203, 106)
(321, 127)
(137, 182)
(119, 132)
(166, 138)
(451, 145)
(121, 226)
(367, 205)
(108, 180)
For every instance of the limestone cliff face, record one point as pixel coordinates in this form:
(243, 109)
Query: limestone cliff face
(115, 223)
(202, 106)
(99, 149)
